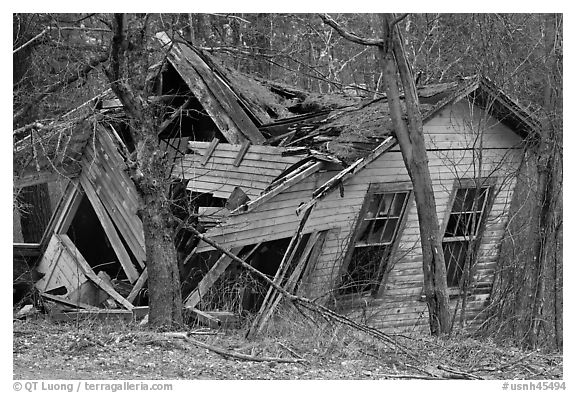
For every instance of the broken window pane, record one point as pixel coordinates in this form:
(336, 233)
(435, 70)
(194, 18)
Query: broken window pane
(455, 257)
(374, 239)
(462, 228)
(362, 272)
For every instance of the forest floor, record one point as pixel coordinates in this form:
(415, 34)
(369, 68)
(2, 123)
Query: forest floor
(97, 350)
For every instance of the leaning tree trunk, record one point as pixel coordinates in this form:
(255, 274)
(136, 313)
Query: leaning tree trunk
(411, 141)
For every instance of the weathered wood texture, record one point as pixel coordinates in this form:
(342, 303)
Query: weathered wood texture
(64, 266)
(59, 268)
(475, 128)
(217, 98)
(104, 170)
(218, 175)
(399, 306)
(175, 149)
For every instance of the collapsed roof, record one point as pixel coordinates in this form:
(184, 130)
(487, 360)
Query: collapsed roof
(251, 109)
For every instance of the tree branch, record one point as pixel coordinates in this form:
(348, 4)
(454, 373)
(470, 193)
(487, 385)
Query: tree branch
(82, 73)
(348, 35)
(305, 302)
(31, 40)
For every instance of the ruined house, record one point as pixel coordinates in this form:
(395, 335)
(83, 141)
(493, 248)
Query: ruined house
(259, 166)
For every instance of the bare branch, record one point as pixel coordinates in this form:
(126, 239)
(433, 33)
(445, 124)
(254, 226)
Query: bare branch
(398, 20)
(232, 17)
(82, 73)
(31, 40)
(348, 35)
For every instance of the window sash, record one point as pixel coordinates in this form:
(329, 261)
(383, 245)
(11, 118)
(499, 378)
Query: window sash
(374, 240)
(462, 227)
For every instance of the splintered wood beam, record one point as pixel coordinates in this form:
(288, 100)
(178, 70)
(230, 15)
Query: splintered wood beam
(209, 151)
(138, 286)
(338, 179)
(209, 279)
(288, 182)
(89, 273)
(110, 230)
(243, 150)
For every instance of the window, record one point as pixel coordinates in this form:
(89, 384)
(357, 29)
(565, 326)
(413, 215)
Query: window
(462, 229)
(376, 233)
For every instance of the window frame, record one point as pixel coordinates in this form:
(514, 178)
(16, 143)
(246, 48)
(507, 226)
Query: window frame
(383, 268)
(483, 182)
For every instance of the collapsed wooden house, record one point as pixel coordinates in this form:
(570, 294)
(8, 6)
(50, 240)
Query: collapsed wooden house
(309, 189)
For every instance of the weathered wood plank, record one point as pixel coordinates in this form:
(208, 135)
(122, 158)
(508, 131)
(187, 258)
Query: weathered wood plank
(67, 302)
(289, 182)
(216, 98)
(103, 169)
(209, 151)
(111, 233)
(209, 279)
(241, 153)
(85, 267)
(138, 286)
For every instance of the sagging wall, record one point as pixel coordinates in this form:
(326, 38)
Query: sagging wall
(450, 158)
(400, 305)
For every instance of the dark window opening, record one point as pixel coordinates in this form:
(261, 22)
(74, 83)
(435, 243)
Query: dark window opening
(238, 289)
(462, 229)
(374, 240)
(89, 237)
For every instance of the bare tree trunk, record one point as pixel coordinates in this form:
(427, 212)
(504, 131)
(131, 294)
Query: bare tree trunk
(527, 293)
(149, 175)
(411, 141)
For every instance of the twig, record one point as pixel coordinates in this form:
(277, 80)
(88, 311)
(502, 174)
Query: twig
(225, 353)
(406, 376)
(307, 303)
(506, 365)
(31, 40)
(348, 35)
(290, 350)
(459, 373)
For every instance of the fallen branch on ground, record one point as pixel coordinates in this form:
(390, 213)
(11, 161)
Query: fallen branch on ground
(225, 353)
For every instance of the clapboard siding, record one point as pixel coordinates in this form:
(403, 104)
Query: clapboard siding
(399, 305)
(219, 176)
(404, 282)
(463, 126)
